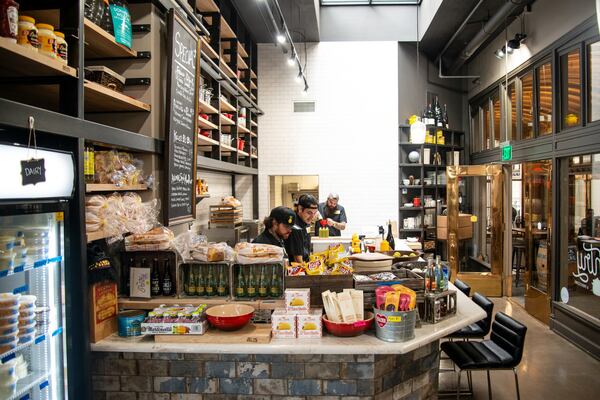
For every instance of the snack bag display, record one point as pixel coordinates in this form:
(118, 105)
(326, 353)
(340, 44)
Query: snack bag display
(315, 267)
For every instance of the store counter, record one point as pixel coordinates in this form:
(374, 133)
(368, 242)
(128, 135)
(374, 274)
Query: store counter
(321, 244)
(332, 366)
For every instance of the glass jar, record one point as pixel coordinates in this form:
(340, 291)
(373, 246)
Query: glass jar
(47, 40)
(61, 48)
(9, 19)
(28, 33)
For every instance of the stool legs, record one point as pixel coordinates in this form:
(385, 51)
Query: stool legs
(489, 385)
(458, 387)
(517, 384)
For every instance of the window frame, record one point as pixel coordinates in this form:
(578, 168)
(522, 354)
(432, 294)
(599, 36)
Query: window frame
(587, 78)
(536, 83)
(580, 47)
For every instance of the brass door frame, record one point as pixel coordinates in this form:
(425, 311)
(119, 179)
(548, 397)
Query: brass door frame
(485, 283)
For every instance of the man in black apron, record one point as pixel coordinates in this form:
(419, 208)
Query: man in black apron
(298, 244)
(278, 226)
(334, 214)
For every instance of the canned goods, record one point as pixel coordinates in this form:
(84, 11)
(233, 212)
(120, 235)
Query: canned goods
(130, 323)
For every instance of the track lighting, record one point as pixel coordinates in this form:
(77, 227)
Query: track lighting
(515, 43)
(299, 76)
(280, 38)
(500, 53)
(292, 60)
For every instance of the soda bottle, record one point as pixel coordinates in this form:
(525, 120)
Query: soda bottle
(192, 279)
(263, 285)
(200, 281)
(167, 283)
(240, 287)
(251, 288)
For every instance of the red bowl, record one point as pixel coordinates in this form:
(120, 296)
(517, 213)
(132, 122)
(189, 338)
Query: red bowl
(229, 317)
(347, 329)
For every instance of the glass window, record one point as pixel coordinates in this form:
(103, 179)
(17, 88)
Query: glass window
(571, 89)
(475, 144)
(544, 90)
(511, 97)
(594, 81)
(486, 125)
(580, 237)
(527, 105)
(496, 106)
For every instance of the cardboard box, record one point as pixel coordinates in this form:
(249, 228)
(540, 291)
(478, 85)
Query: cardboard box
(465, 227)
(297, 301)
(309, 325)
(103, 315)
(283, 325)
(174, 328)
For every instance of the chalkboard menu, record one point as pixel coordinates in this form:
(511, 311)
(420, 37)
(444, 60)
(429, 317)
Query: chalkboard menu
(182, 114)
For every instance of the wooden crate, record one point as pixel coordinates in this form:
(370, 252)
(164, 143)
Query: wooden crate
(203, 267)
(149, 256)
(405, 276)
(319, 284)
(225, 215)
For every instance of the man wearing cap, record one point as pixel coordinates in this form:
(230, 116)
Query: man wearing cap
(297, 244)
(278, 226)
(334, 214)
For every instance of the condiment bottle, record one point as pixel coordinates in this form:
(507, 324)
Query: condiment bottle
(61, 48)
(47, 40)
(28, 33)
(9, 19)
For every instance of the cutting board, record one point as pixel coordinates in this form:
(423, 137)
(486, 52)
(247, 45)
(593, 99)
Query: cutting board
(260, 333)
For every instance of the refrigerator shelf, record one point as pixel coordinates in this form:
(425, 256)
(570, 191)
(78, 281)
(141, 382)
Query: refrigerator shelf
(37, 264)
(9, 355)
(25, 385)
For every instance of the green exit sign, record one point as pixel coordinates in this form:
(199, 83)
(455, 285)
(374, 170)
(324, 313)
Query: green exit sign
(506, 152)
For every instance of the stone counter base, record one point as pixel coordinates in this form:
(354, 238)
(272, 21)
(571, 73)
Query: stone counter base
(176, 376)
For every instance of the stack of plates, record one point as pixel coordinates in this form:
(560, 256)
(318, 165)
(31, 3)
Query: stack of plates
(371, 262)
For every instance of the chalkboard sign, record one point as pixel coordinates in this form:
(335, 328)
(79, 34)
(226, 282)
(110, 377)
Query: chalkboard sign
(182, 115)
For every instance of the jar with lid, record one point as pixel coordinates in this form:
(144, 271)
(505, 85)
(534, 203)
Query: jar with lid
(47, 40)
(9, 19)
(28, 33)
(61, 47)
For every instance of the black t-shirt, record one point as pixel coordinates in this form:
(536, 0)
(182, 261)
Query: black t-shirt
(267, 238)
(338, 215)
(298, 243)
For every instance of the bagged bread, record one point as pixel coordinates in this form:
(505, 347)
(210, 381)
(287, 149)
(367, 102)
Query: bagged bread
(257, 253)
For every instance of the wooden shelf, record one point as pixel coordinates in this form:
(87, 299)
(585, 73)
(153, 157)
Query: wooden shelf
(225, 121)
(226, 31)
(242, 63)
(253, 123)
(109, 187)
(243, 153)
(205, 124)
(411, 208)
(22, 61)
(207, 108)
(241, 50)
(253, 134)
(253, 74)
(227, 69)
(252, 96)
(207, 6)
(206, 141)
(228, 148)
(91, 236)
(102, 99)
(243, 129)
(205, 47)
(253, 156)
(242, 86)
(253, 85)
(150, 304)
(225, 106)
(101, 44)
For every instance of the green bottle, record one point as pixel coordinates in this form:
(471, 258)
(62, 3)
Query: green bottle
(211, 282)
(191, 285)
(200, 283)
(251, 282)
(263, 284)
(240, 287)
(222, 282)
(275, 287)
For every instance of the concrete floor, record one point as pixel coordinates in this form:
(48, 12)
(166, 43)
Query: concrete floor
(552, 367)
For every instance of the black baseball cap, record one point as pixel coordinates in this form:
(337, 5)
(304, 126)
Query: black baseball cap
(308, 201)
(283, 215)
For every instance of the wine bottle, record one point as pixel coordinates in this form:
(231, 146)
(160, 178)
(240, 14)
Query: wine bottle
(438, 113)
(446, 122)
(240, 287)
(390, 237)
(200, 281)
(167, 283)
(251, 289)
(274, 288)
(221, 282)
(154, 279)
(211, 282)
(263, 285)
(430, 115)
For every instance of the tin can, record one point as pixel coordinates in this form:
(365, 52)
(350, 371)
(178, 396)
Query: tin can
(130, 323)
(395, 326)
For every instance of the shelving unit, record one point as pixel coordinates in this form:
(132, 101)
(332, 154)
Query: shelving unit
(206, 141)
(207, 108)
(92, 236)
(99, 98)
(454, 141)
(107, 187)
(225, 121)
(101, 44)
(206, 124)
(26, 62)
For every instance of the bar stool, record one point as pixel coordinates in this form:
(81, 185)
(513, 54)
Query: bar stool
(518, 251)
(503, 351)
(463, 287)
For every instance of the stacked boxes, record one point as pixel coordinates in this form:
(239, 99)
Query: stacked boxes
(297, 320)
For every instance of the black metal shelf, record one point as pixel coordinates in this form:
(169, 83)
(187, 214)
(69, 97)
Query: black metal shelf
(411, 186)
(411, 208)
(210, 164)
(411, 230)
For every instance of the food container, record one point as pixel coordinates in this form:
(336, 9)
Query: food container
(283, 325)
(28, 313)
(10, 330)
(309, 325)
(47, 40)
(9, 346)
(8, 320)
(20, 367)
(7, 261)
(26, 321)
(35, 232)
(7, 242)
(106, 77)
(20, 251)
(42, 315)
(27, 302)
(37, 242)
(8, 387)
(229, 317)
(8, 300)
(349, 329)
(4, 339)
(27, 329)
(130, 323)
(61, 47)
(406, 182)
(9, 311)
(395, 326)
(7, 369)
(30, 337)
(240, 144)
(28, 33)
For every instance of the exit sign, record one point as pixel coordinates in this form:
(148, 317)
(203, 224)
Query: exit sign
(506, 152)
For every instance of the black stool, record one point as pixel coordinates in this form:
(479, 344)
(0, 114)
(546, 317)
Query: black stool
(463, 287)
(518, 251)
(481, 328)
(502, 352)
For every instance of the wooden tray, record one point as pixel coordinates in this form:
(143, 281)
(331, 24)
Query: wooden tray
(249, 334)
(220, 215)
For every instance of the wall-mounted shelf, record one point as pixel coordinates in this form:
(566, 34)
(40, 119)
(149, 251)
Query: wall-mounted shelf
(242, 86)
(226, 31)
(207, 6)
(206, 108)
(253, 134)
(227, 149)
(225, 106)
(243, 129)
(253, 156)
(253, 85)
(102, 99)
(253, 123)
(227, 69)
(101, 44)
(108, 187)
(253, 74)
(225, 121)
(242, 50)
(206, 124)
(205, 141)
(91, 236)
(21, 61)
(207, 48)
(243, 153)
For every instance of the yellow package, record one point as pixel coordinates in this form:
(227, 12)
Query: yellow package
(392, 299)
(344, 267)
(319, 256)
(334, 252)
(413, 296)
(315, 267)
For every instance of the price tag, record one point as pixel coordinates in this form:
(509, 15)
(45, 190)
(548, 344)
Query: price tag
(395, 319)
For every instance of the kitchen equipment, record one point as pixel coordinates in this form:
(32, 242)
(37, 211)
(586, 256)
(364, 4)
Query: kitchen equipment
(105, 77)
(414, 156)
(229, 317)
(348, 329)
(417, 202)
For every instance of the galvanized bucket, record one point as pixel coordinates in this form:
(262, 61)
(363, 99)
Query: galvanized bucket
(395, 326)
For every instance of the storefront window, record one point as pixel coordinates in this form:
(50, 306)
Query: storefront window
(580, 233)
(486, 125)
(594, 81)
(511, 96)
(476, 140)
(571, 89)
(544, 79)
(496, 106)
(527, 105)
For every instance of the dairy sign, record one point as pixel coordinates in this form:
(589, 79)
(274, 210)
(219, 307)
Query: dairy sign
(588, 266)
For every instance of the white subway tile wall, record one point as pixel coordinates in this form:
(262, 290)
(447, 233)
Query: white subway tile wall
(350, 141)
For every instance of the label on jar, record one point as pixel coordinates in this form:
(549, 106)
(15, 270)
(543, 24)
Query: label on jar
(12, 16)
(28, 35)
(47, 44)
(61, 50)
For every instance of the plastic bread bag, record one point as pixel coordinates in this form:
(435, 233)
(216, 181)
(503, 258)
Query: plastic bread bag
(183, 244)
(258, 253)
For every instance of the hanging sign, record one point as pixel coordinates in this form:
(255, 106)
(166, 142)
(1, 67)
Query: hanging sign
(588, 266)
(33, 171)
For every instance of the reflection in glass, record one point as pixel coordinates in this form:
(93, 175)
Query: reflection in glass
(486, 125)
(594, 83)
(527, 105)
(571, 89)
(511, 96)
(475, 251)
(544, 78)
(476, 141)
(496, 106)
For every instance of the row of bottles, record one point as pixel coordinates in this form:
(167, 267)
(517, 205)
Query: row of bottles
(436, 276)
(159, 285)
(258, 281)
(206, 280)
(433, 115)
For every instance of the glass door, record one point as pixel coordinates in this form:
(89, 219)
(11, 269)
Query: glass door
(32, 307)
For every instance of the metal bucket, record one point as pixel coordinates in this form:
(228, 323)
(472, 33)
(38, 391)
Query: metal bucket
(395, 326)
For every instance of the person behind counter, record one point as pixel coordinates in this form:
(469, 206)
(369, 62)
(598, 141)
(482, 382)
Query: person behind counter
(278, 226)
(334, 214)
(297, 244)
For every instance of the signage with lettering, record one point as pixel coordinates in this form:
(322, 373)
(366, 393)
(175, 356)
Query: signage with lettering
(182, 115)
(588, 266)
(33, 171)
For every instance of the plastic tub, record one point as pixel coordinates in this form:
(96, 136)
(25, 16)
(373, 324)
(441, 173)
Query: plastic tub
(8, 320)
(37, 241)
(8, 387)
(7, 242)
(9, 311)
(26, 321)
(26, 329)
(9, 346)
(20, 251)
(27, 338)
(130, 323)
(395, 326)
(9, 300)
(35, 232)
(9, 330)
(7, 370)
(27, 301)
(7, 261)
(4, 339)
(27, 313)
